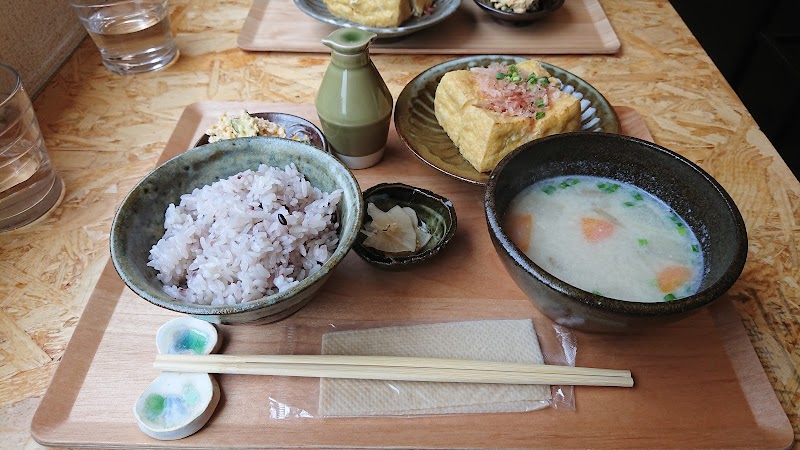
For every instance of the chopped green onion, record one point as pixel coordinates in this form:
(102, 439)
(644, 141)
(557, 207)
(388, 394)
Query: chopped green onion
(544, 81)
(596, 293)
(628, 204)
(637, 196)
(572, 181)
(549, 189)
(643, 242)
(563, 185)
(695, 248)
(500, 75)
(669, 297)
(540, 114)
(516, 78)
(608, 187)
(540, 103)
(681, 230)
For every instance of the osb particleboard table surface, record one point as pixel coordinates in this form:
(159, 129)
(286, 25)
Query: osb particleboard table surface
(104, 132)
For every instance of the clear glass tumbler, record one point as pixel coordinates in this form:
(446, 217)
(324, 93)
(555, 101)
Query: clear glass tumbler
(133, 36)
(29, 187)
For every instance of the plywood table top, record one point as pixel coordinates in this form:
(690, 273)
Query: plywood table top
(104, 132)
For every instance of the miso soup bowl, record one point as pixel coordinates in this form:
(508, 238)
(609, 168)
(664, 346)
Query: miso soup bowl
(687, 189)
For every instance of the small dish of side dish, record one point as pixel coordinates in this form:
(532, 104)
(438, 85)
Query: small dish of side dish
(246, 124)
(381, 16)
(417, 115)
(519, 12)
(431, 225)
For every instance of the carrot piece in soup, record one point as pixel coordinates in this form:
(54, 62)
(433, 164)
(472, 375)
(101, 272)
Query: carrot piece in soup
(519, 230)
(673, 277)
(596, 230)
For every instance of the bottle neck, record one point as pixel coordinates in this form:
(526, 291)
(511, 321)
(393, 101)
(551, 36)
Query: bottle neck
(350, 61)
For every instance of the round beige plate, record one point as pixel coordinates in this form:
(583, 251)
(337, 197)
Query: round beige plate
(417, 126)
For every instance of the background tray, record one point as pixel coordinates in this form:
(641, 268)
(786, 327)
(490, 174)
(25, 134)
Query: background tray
(580, 26)
(698, 381)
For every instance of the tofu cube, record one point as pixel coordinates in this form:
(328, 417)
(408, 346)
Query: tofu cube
(484, 136)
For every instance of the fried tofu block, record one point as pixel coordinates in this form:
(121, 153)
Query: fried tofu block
(484, 136)
(373, 13)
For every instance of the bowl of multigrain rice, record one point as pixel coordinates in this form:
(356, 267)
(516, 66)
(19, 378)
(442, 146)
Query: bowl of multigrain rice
(244, 230)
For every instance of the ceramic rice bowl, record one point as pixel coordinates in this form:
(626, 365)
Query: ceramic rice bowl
(139, 222)
(688, 190)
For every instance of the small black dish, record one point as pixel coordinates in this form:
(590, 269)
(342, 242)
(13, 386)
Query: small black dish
(435, 211)
(512, 18)
(292, 124)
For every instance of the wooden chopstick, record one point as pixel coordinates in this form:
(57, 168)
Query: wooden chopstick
(397, 361)
(394, 368)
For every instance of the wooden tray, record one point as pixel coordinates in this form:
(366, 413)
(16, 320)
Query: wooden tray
(698, 381)
(580, 26)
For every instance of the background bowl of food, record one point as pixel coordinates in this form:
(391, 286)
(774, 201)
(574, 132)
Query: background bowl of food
(519, 12)
(267, 221)
(276, 124)
(391, 242)
(611, 233)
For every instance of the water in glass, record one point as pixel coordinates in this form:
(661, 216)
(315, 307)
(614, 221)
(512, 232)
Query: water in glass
(29, 187)
(133, 36)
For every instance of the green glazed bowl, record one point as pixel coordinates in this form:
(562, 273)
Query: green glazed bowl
(437, 212)
(683, 186)
(139, 222)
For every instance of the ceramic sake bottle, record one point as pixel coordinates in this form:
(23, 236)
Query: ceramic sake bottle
(353, 103)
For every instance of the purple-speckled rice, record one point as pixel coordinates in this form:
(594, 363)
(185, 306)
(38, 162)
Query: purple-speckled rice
(225, 243)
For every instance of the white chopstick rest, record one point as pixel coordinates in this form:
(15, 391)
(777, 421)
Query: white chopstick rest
(178, 404)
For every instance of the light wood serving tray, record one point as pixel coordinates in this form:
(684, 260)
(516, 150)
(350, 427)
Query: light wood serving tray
(698, 381)
(578, 27)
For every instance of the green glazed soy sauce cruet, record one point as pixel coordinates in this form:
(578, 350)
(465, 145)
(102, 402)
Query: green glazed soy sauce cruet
(353, 103)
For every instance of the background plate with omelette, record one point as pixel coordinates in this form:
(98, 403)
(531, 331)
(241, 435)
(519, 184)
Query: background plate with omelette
(386, 18)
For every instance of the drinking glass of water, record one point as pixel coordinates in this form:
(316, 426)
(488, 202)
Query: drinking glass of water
(133, 36)
(29, 187)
